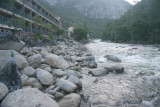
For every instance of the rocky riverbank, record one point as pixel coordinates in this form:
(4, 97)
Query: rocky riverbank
(46, 76)
(70, 74)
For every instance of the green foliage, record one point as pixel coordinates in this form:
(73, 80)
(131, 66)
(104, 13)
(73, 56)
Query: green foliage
(19, 22)
(50, 37)
(12, 54)
(37, 19)
(79, 34)
(59, 32)
(139, 25)
(37, 36)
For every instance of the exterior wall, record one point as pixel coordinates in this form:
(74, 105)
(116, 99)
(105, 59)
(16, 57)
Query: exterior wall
(27, 9)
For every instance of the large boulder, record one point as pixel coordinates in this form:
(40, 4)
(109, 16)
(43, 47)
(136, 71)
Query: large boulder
(3, 91)
(70, 72)
(99, 72)
(66, 85)
(30, 71)
(59, 73)
(115, 67)
(112, 58)
(56, 61)
(28, 97)
(44, 76)
(35, 60)
(9, 73)
(75, 80)
(8, 41)
(70, 100)
(21, 61)
(90, 62)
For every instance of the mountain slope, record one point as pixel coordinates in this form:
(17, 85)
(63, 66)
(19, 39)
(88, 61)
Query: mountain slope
(139, 25)
(90, 13)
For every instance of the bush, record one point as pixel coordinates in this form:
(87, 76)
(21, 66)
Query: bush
(79, 34)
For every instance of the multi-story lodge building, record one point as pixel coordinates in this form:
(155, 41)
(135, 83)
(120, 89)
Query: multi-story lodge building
(28, 10)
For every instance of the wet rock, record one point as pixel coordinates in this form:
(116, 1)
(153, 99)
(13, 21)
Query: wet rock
(75, 80)
(79, 75)
(90, 62)
(28, 97)
(70, 72)
(9, 73)
(56, 61)
(30, 71)
(36, 49)
(3, 91)
(70, 100)
(115, 67)
(59, 95)
(52, 92)
(50, 88)
(35, 60)
(79, 59)
(66, 85)
(51, 96)
(45, 67)
(35, 83)
(99, 72)
(21, 61)
(44, 53)
(45, 77)
(8, 41)
(25, 80)
(59, 73)
(112, 58)
(25, 51)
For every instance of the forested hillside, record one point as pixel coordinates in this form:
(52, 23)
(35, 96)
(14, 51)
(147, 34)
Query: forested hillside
(141, 24)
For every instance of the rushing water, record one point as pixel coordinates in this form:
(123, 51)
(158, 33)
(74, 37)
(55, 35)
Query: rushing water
(127, 89)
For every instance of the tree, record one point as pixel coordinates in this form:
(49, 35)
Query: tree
(59, 32)
(79, 34)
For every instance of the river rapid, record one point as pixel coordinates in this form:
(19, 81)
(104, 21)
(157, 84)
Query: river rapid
(138, 86)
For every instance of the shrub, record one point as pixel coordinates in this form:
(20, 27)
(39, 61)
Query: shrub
(79, 34)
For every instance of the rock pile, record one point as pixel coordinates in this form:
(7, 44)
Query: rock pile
(43, 76)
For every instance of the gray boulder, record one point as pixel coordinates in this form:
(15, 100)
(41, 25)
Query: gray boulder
(21, 61)
(28, 97)
(35, 60)
(90, 62)
(56, 61)
(30, 71)
(3, 91)
(59, 72)
(25, 51)
(115, 67)
(112, 58)
(70, 72)
(75, 80)
(44, 76)
(70, 100)
(9, 73)
(66, 85)
(99, 72)
(59, 95)
(8, 41)
(35, 83)
(45, 67)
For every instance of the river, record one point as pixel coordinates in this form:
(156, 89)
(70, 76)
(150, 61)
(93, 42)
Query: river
(138, 86)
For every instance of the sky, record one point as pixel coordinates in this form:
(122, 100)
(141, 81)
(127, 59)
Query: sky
(131, 1)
